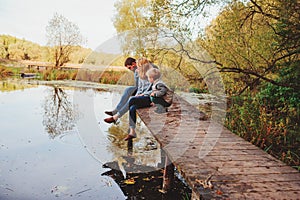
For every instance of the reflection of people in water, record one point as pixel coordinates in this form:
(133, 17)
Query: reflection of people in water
(140, 100)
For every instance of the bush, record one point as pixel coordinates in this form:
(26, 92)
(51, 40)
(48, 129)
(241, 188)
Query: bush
(111, 77)
(62, 75)
(269, 120)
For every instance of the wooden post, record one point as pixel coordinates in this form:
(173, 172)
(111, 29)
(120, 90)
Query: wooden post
(168, 177)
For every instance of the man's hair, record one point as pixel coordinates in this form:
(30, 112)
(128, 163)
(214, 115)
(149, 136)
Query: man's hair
(153, 73)
(129, 61)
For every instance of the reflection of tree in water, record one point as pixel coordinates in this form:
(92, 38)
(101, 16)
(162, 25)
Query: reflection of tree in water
(59, 115)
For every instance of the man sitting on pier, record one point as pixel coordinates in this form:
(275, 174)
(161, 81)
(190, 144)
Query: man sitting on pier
(130, 63)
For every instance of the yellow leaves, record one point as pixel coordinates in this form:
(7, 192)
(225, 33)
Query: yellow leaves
(129, 181)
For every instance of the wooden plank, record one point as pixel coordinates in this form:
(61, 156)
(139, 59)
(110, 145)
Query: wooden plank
(255, 179)
(256, 170)
(262, 187)
(234, 164)
(278, 195)
(230, 187)
(200, 149)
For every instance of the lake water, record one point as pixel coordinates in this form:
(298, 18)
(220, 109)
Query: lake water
(54, 143)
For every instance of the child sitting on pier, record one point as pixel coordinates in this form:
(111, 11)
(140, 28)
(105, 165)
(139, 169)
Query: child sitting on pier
(161, 95)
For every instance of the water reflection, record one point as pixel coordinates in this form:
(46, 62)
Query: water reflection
(36, 167)
(100, 137)
(59, 115)
(12, 85)
(138, 165)
(144, 150)
(143, 181)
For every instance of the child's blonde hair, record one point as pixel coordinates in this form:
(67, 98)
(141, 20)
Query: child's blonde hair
(142, 61)
(143, 66)
(153, 73)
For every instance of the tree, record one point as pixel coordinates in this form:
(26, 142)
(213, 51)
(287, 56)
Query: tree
(250, 40)
(63, 36)
(139, 23)
(131, 15)
(256, 45)
(253, 42)
(148, 28)
(6, 42)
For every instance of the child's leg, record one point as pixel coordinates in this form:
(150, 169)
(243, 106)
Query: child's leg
(160, 104)
(160, 100)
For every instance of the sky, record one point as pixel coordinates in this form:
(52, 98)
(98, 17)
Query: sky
(27, 19)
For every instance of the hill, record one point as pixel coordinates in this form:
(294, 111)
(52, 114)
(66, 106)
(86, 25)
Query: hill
(13, 48)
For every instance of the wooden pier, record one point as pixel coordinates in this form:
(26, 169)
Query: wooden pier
(40, 66)
(216, 163)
